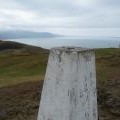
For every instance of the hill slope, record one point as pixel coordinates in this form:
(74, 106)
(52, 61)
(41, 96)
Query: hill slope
(20, 63)
(9, 45)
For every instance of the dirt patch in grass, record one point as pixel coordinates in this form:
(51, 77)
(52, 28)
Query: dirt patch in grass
(109, 100)
(20, 102)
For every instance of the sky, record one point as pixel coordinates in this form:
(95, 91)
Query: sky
(69, 17)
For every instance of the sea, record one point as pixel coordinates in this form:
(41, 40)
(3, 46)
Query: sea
(74, 41)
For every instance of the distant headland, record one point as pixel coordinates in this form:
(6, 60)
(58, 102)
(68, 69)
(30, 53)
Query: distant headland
(18, 34)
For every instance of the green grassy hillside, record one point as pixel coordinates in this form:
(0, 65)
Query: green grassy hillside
(26, 64)
(20, 63)
(108, 63)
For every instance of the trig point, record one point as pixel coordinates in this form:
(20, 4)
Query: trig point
(69, 90)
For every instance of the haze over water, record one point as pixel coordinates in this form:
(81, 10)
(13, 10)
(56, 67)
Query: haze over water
(84, 37)
(89, 42)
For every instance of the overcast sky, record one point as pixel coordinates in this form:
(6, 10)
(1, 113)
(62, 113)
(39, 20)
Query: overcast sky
(59, 15)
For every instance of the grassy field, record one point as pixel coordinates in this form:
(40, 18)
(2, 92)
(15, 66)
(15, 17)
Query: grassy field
(22, 70)
(108, 64)
(21, 64)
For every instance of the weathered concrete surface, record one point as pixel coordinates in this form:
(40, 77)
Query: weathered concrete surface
(69, 91)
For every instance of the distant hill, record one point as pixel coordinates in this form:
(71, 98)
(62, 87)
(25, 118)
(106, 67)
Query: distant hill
(10, 45)
(17, 34)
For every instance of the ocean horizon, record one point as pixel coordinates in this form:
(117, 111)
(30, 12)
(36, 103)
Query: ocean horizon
(84, 41)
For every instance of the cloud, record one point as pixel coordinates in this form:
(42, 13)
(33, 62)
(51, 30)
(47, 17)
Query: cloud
(28, 14)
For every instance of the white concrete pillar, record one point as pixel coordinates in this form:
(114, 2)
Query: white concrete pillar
(69, 91)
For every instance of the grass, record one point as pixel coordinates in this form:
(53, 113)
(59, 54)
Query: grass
(22, 64)
(20, 102)
(108, 63)
(27, 63)
(22, 68)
